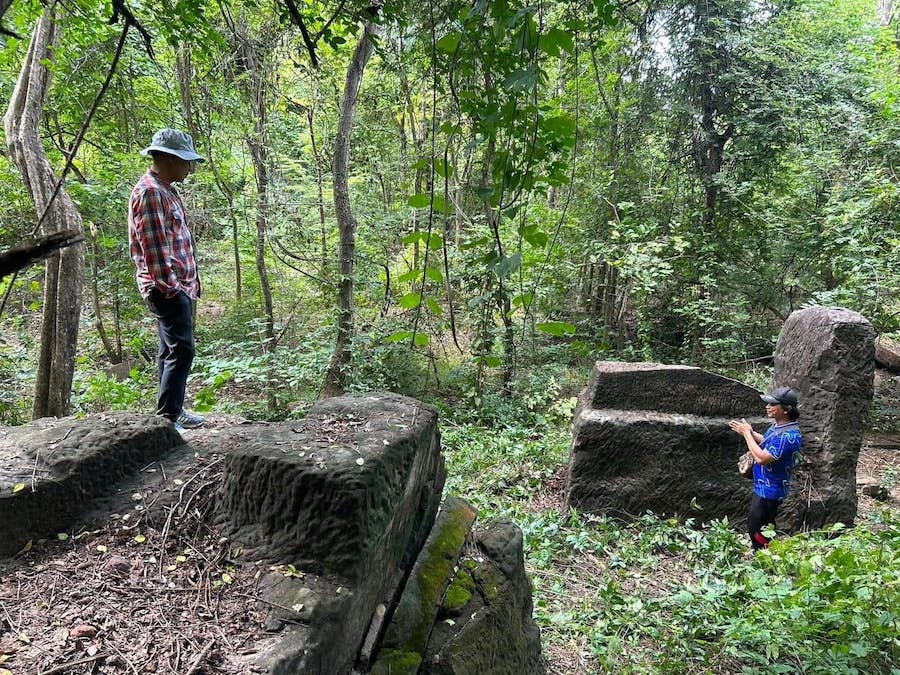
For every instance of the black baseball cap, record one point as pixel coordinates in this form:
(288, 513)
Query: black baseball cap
(781, 396)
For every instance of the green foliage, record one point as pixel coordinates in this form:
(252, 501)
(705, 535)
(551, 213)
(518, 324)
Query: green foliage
(100, 392)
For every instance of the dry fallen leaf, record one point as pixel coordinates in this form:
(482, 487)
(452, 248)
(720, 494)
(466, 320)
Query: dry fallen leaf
(82, 630)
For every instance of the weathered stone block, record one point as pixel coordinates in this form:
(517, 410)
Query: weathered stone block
(493, 632)
(828, 356)
(414, 616)
(65, 463)
(347, 495)
(660, 441)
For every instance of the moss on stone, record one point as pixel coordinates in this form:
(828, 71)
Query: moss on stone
(397, 662)
(459, 592)
(421, 600)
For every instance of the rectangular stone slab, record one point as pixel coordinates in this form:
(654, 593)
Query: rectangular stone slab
(629, 462)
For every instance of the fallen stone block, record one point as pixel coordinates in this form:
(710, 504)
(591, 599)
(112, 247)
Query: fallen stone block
(412, 621)
(485, 624)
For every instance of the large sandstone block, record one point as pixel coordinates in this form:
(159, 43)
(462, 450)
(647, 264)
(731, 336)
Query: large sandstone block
(61, 465)
(348, 495)
(656, 437)
(828, 356)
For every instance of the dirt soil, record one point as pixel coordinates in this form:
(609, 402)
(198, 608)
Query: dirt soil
(148, 586)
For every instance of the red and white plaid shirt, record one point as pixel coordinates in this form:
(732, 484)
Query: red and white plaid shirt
(161, 244)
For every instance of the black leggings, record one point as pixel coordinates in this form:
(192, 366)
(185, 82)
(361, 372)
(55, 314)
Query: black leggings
(762, 513)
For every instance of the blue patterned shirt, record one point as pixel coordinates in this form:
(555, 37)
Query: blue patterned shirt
(783, 442)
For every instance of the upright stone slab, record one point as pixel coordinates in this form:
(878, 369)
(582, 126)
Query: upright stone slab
(828, 356)
(656, 437)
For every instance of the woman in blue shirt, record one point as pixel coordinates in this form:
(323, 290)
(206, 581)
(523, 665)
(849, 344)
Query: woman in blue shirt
(775, 455)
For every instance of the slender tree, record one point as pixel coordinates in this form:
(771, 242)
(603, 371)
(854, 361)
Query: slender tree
(336, 378)
(64, 271)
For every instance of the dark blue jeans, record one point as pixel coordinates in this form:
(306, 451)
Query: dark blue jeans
(176, 349)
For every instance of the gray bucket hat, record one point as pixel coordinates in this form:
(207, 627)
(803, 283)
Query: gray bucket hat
(173, 142)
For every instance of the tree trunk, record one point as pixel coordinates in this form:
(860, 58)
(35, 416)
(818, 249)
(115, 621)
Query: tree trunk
(336, 378)
(320, 198)
(113, 354)
(64, 276)
(258, 96)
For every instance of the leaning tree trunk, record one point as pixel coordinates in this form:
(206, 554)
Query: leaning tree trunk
(64, 275)
(336, 378)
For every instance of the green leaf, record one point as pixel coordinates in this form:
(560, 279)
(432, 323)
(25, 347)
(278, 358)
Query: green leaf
(411, 301)
(435, 275)
(508, 265)
(442, 206)
(413, 237)
(449, 43)
(557, 328)
(443, 169)
(435, 308)
(554, 39)
(412, 275)
(435, 242)
(419, 201)
(399, 336)
(420, 340)
(492, 361)
(62, 536)
(18, 487)
(535, 237)
(524, 300)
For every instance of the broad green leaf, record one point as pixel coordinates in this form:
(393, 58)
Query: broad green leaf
(443, 169)
(557, 328)
(508, 265)
(492, 361)
(442, 206)
(399, 336)
(412, 275)
(62, 536)
(419, 201)
(449, 43)
(435, 308)
(435, 242)
(413, 237)
(18, 487)
(140, 538)
(421, 340)
(556, 38)
(411, 301)
(535, 237)
(434, 274)
(524, 300)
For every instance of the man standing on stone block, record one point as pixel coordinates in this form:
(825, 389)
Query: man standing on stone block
(163, 251)
(775, 455)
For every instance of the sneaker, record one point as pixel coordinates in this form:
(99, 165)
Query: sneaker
(189, 420)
